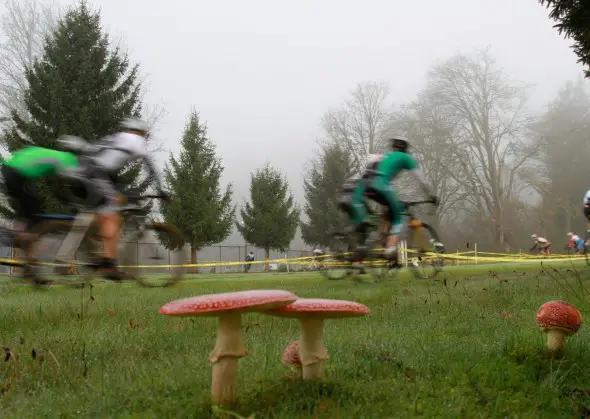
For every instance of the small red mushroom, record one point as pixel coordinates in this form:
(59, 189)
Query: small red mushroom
(291, 357)
(558, 319)
(311, 313)
(229, 347)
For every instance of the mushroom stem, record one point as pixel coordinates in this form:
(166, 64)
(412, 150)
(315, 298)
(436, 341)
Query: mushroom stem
(311, 348)
(556, 339)
(229, 347)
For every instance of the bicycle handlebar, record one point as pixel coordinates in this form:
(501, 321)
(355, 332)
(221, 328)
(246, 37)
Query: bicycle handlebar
(156, 196)
(414, 203)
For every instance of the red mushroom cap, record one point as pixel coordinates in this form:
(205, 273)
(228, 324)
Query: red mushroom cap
(319, 307)
(212, 304)
(291, 354)
(559, 314)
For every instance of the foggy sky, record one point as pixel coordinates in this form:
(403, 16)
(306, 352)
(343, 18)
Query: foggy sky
(262, 72)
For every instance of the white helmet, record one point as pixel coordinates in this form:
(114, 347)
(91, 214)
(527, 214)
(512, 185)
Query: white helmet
(534, 236)
(134, 124)
(570, 234)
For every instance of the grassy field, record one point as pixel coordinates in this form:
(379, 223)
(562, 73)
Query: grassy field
(465, 345)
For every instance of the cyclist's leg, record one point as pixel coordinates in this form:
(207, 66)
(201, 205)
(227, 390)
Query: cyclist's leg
(345, 205)
(394, 210)
(109, 219)
(25, 199)
(359, 213)
(26, 204)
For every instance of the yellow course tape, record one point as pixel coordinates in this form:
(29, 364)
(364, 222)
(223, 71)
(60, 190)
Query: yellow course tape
(308, 260)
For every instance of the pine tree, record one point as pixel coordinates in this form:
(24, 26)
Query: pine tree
(270, 219)
(80, 86)
(200, 209)
(328, 172)
(572, 21)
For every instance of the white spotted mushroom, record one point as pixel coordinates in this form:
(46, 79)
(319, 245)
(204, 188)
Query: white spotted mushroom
(229, 346)
(558, 319)
(311, 314)
(291, 357)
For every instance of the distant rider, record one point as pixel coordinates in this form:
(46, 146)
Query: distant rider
(575, 242)
(541, 243)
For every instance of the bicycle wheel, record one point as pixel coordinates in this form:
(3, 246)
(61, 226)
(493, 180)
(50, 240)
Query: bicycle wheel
(376, 263)
(147, 275)
(49, 237)
(423, 263)
(337, 264)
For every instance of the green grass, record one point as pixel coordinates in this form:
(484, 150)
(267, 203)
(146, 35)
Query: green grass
(463, 346)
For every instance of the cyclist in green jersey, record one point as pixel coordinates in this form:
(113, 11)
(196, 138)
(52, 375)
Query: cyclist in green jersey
(32, 162)
(18, 170)
(377, 187)
(351, 198)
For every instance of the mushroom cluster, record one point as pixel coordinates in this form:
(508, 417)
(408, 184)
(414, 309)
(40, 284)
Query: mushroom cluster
(558, 319)
(229, 346)
(311, 313)
(306, 355)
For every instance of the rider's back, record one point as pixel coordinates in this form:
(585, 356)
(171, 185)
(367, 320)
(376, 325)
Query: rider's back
(35, 162)
(394, 162)
(126, 147)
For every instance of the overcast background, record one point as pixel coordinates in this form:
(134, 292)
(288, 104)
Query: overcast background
(261, 73)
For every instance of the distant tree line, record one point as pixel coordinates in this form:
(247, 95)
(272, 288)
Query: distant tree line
(501, 171)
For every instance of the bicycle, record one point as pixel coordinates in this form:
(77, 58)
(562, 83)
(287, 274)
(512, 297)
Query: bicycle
(10, 238)
(78, 239)
(423, 266)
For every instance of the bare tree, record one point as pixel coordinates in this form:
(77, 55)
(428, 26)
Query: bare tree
(490, 137)
(560, 176)
(24, 26)
(431, 136)
(361, 122)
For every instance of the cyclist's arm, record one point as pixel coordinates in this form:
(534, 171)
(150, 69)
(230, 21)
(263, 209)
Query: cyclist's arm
(153, 172)
(418, 175)
(143, 153)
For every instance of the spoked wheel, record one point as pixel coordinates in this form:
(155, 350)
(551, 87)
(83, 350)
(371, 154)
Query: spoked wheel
(173, 239)
(423, 263)
(50, 236)
(337, 264)
(380, 267)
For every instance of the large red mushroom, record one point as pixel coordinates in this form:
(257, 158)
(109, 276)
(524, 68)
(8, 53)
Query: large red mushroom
(311, 313)
(559, 320)
(229, 346)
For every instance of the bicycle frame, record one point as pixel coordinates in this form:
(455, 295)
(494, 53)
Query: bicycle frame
(85, 219)
(413, 222)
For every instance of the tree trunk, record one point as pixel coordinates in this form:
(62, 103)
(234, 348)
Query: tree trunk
(266, 258)
(194, 269)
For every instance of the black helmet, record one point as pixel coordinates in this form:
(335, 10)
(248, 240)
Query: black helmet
(399, 144)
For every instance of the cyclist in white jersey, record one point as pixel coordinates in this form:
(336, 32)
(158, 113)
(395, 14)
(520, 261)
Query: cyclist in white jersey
(102, 162)
(541, 243)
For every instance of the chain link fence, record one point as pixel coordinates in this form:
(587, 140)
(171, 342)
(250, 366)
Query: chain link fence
(152, 257)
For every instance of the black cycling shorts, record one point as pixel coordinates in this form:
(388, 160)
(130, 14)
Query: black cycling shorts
(23, 197)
